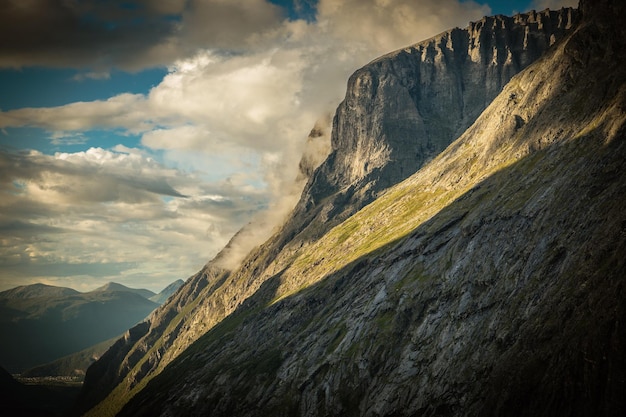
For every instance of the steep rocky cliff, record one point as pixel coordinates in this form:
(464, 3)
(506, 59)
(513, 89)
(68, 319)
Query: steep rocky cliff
(489, 282)
(404, 108)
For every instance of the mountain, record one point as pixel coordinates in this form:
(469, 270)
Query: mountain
(216, 291)
(114, 286)
(76, 363)
(404, 108)
(39, 324)
(36, 290)
(166, 292)
(484, 276)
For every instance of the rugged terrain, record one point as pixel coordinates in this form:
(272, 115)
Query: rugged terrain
(483, 279)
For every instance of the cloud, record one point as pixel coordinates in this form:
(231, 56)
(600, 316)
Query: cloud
(239, 100)
(386, 25)
(72, 138)
(104, 75)
(92, 176)
(102, 215)
(125, 34)
(228, 125)
(228, 24)
(125, 111)
(77, 34)
(245, 100)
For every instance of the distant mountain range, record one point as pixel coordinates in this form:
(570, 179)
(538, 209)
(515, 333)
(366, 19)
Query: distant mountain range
(114, 286)
(42, 323)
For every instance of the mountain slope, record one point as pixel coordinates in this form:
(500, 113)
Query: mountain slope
(468, 56)
(491, 282)
(388, 312)
(73, 365)
(114, 286)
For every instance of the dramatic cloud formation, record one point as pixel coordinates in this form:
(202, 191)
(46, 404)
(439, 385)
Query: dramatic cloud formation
(125, 34)
(220, 136)
(112, 215)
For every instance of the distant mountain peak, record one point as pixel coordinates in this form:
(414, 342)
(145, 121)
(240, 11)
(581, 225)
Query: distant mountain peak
(114, 286)
(37, 290)
(166, 292)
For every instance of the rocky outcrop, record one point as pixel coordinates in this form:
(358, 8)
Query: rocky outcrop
(404, 108)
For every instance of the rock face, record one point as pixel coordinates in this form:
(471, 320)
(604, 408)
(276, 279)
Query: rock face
(489, 281)
(404, 108)
(147, 347)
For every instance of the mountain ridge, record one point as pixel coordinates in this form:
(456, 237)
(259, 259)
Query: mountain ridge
(167, 292)
(363, 356)
(326, 344)
(37, 290)
(44, 323)
(114, 286)
(216, 285)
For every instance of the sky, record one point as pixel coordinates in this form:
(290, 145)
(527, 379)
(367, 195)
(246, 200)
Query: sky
(138, 136)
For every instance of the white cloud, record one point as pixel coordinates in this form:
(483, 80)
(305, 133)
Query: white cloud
(126, 111)
(229, 127)
(101, 215)
(242, 99)
(385, 25)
